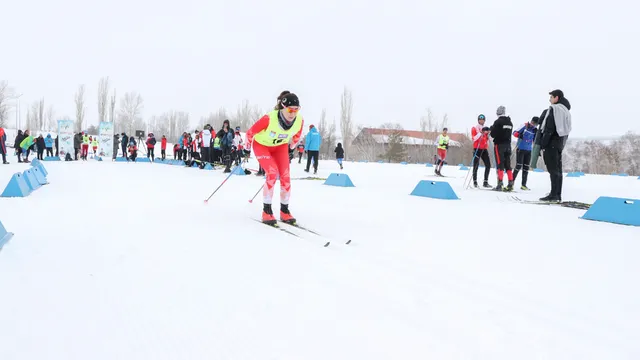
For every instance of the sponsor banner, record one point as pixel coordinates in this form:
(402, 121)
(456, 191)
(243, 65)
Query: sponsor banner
(65, 138)
(105, 139)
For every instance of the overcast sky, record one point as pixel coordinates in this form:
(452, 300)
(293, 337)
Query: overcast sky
(398, 57)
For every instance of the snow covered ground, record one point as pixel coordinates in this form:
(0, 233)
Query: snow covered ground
(125, 261)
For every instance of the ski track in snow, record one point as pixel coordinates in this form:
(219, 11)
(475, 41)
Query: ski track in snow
(124, 261)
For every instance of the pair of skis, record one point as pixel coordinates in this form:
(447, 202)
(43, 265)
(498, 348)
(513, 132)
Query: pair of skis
(289, 231)
(570, 204)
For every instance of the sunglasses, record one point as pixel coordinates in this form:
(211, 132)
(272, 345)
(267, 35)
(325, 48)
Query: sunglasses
(292, 110)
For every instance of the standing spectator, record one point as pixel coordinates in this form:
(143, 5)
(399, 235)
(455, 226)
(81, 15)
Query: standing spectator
(525, 135)
(116, 143)
(312, 144)
(556, 127)
(206, 144)
(16, 144)
(124, 143)
(177, 154)
(40, 146)
(151, 145)
(300, 152)
(442, 145)
(56, 143)
(3, 146)
(133, 148)
(339, 154)
(238, 146)
(163, 147)
(85, 146)
(94, 145)
(77, 144)
(501, 134)
(226, 142)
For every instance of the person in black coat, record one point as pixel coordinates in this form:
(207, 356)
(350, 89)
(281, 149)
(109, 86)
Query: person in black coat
(3, 146)
(339, 154)
(226, 142)
(116, 143)
(16, 145)
(41, 146)
(77, 143)
(124, 144)
(501, 131)
(556, 126)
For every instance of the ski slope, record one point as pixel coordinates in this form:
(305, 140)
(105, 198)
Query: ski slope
(125, 261)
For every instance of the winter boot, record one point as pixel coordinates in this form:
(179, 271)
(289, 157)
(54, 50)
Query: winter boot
(524, 187)
(475, 183)
(551, 198)
(340, 166)
(509, 186)
(285, 215)
(486, 184)
(267, 215)
(499, 186)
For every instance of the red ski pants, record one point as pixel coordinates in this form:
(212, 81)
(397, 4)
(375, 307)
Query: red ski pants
(275, 162)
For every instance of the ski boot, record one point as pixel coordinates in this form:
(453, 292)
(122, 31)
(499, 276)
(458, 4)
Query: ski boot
(524, 187)
(498, 187)
(486, 184)
(509, 187)
(475, 184)
(267, 215)
(285, 215)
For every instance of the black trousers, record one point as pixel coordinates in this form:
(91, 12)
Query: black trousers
(553, 159)
(299, 157)
(163, 153)
(503, 156)
(76, 151)
(49, 151)
(40, 152)
(523, 158)
(206, 154)
(124, 151)
(484, 155)
(312, 154)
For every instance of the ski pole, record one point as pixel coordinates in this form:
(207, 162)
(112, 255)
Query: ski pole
(218, 188)
(471, 167)
(257, 192)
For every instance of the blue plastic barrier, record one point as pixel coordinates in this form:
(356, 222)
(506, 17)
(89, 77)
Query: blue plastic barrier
(429, 165)
(615, 210)
(41, 179)
(37, 163)
(573, 174)
(121, 159)
(5, 236)
(208, 167)
(30, 179)
(463, 168)
(341, 180)
(435, 190)
(17, 187)
(143, 160)
(538, 170)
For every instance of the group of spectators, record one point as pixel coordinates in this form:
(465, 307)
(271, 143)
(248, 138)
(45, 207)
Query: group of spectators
(24, 143)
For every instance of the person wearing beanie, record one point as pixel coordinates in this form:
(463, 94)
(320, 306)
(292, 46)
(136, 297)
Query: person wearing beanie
(526, 135)
(480, 137)
(556, 126)
(271, 139)
(501, 134)
(313, 141)
(442, 144)
(226, 136)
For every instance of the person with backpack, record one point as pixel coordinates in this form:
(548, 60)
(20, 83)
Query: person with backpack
(151, 145)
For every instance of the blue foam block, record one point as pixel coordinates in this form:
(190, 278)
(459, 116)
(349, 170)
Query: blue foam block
(179, 162)
(623, 174)
(614, 174)
(143, 159)
(581, 173)
(573, 174)
(99, 158)
(538, 170)
(30, 179)
(194, 164)
(461, 164)
(5, 236)
(37, 163)
(429, 165)
(41, 179)
(208, 167)
(51, 158)
(342, 180)
(380, 162)
(159, 160)
(615, 210)
(17, 187)
(435, 190)
(403, 163)
(121, 159)
(464, 167)
(238, 170)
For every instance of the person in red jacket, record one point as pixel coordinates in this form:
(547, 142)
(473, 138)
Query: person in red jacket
(163, 147)
(480, 137)
(271, 138)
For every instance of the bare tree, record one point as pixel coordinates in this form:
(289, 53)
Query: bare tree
(182, 122)
(112, 106)
(429, 129)
(130, 113)
(40, 114)
(6, 95)
(246, 115)
(323, 130)
(80, 108)
(346, 122)
(50, 119)
(103, 93)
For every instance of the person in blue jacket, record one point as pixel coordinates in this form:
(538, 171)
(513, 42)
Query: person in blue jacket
(526, 135)
(48, 144)
(312, 146)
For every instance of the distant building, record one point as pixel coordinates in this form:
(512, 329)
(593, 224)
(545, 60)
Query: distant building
(371, 144)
